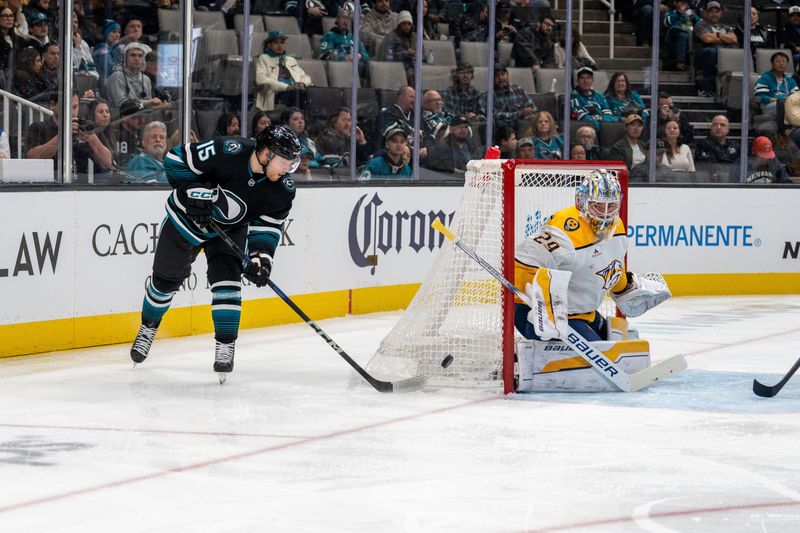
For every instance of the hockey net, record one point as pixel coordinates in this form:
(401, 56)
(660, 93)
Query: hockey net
(460, 310)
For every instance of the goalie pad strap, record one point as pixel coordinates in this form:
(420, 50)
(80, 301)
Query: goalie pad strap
(548, 297)
(646, 292)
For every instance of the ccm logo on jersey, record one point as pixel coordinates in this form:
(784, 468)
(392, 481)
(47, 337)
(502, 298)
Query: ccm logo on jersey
(201, 194)
(597, 358)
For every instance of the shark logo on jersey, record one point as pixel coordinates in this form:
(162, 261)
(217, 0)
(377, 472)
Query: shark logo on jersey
(571, 224)
(288, 182)
(229, 208)
(611, 274)
(231, 147)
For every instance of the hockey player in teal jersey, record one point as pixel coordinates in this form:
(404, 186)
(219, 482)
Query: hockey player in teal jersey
(246, 188)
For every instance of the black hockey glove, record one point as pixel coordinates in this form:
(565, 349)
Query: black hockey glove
(257, 271)
(200, 203)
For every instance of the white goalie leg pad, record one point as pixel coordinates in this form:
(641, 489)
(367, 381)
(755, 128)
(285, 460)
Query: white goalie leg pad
(552, 366)
(548, 295)
(616, 328)
(647, 292)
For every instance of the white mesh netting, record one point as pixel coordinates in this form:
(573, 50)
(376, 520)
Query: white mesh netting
(458, 309)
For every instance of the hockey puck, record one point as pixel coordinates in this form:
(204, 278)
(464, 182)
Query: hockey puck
(447, 360)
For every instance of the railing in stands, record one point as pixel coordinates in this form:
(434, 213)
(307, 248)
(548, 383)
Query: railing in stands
(21, 106)
(611, 13)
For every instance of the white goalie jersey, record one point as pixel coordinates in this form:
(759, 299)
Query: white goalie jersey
(565, 242)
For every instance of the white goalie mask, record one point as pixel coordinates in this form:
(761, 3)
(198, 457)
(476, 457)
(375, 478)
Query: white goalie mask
(598, 199)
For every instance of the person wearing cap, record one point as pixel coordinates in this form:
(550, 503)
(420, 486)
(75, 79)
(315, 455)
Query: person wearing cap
(462, 98)
(379, 22)
(337, 44)
(279, 79)
(533, 46)
(763, 166)
(711, 35)
(108, 54)
(129, 130)
(38, 31)
(631, 149)
(506, 24)
(679, 22)
(774, 84)
(453, 151)
(789, 34)
(129, 82)
(511, 102)
(389, 163)
(525, 148)
(400, 45)
(588, 105)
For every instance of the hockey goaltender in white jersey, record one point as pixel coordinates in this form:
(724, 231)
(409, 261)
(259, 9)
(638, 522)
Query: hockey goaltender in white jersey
(566, 269)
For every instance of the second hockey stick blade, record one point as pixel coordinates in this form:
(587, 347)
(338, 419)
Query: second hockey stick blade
(766, 391)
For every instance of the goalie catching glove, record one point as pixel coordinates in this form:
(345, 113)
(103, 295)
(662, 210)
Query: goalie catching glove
(642, 294)
(199, 203)
(548, 301)
(257, 271)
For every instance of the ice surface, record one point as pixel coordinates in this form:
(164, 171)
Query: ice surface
(294, 441)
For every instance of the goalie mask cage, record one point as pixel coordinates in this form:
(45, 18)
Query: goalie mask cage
(460, 309)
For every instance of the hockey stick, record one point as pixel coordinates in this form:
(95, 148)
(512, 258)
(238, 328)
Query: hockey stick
(766, 391)
(621, 379)
(403, 385)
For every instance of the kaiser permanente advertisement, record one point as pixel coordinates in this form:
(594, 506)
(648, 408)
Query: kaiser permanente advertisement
(85, 255)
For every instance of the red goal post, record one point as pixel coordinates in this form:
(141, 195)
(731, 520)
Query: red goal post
(459, 309)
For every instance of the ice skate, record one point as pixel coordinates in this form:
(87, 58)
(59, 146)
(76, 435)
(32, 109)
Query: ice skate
(223, 359)
(144, 340)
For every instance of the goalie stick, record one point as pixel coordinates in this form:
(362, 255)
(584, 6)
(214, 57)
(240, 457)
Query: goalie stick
(621, 379)
(766, 391)
(404, 385)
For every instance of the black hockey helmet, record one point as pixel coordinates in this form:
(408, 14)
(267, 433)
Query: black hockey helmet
(280, 140)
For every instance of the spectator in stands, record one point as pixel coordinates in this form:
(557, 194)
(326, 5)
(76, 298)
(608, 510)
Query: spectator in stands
(42, 7)
(334, 143)
(759, 38)
(577, 152)
(379, 22)
(42, 139)
(764, 167)
(260, 122)
(177, 138)
(580, 55)
(622, 100)
(430, 26)
(134, 34)
(401, 112)
(129, 81)
(587, 104)
(100, 123)
(669, 111)
(587, 137)
(631, 149)
(311, 12)
(27, 78)
(8, 39)
(716, 152)
(293, 118)
(434, 118)
(525, 148)
(82, 61)
(279, 79)
(165, 94)
(506, 24)
(337, 44)
(774, 85)
(90, 32)
(148, 165)
(547, 142)
(38, 31)
(511, 102)
(51, 57)
(533, 46)
(400, 44)
(462, 98)
(786, 151)
(19, 19)
(711, 35)
(643, 18)
(505, 138)
(129, 130)
(475, 24)
(228, 125)
(107, 54)
(789, 35)
(453, 152)
(672, 154)
(679, 22)
(388, 163)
